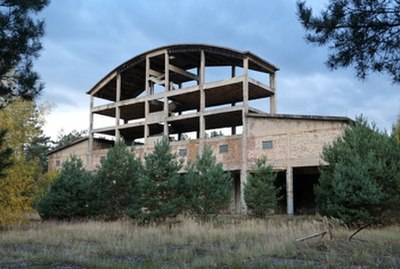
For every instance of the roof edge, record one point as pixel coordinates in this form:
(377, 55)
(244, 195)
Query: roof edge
(174, 46)
(300, 117)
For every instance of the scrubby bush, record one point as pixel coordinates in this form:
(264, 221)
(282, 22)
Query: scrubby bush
(68, 196)
(361, 183)
(260, 192)
(208, 187)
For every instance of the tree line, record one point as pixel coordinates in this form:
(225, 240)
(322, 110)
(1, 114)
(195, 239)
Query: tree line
(151, 191)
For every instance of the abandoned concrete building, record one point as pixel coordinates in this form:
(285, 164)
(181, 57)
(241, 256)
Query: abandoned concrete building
(189, 93)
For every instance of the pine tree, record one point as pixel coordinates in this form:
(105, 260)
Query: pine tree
(362, 33)
(361, 182)
(396, 129)
(260, 192)
(20, 33)
(208, 187)
(68, 197)
(160, 186)
(115, 185)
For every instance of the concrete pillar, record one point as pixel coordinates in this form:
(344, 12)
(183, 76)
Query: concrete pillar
(117, 108)
(90, 147)
(146, 102)
(272, 99)
(243, 170)
(166, 85)
(289, 191)
(202, 120)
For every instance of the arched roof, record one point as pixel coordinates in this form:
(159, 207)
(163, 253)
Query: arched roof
(185, 56)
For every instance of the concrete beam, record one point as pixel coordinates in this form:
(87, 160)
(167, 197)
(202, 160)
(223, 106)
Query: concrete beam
(183, 72)
(103, 83)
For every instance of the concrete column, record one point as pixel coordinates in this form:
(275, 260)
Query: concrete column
(166, 85)
(90, 147)
(202, 120)
(272, 99)
(243, 171)
(289, 190)
(233, 128)
(117, 108)
(146, 102)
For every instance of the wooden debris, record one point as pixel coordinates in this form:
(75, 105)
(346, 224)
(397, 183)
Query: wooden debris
(359, 230)
(322, 234)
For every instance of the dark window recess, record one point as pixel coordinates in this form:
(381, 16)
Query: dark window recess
(58, 163)
(267, 144)
(102, 158)
(223, 148)
(182, 152)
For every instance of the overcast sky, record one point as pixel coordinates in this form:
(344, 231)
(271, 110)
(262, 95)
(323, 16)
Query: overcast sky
(86, 39)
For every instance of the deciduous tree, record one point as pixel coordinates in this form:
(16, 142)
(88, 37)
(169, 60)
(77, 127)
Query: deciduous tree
(23, 120)
(360, 33)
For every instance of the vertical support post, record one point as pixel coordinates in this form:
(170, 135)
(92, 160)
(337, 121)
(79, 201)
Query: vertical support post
(289, 190)
(233, 74)
(146, 102)
(90, 149)
(166, 86)
(117, 108)
(243, 171)
(202, 127)
(272, 99)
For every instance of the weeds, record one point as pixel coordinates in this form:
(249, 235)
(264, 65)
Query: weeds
(227, 243)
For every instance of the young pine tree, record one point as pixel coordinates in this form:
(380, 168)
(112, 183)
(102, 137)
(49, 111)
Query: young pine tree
(260, 193)
(208, 187)
(160, 186)
(361, 182)
(115, 185)
(67, 197)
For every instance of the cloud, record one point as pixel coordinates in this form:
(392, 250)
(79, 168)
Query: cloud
(86, 39)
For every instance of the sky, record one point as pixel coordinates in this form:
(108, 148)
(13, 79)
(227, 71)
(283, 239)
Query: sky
(86, 39)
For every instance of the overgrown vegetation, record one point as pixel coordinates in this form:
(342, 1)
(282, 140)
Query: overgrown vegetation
(232, 243)
(151, 192)
(260, 192)
(361, 182)
(19, 182)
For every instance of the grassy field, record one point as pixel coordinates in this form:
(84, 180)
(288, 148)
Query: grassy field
(231, 242)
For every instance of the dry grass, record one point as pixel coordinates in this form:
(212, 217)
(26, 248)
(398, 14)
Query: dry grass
(230, 243)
